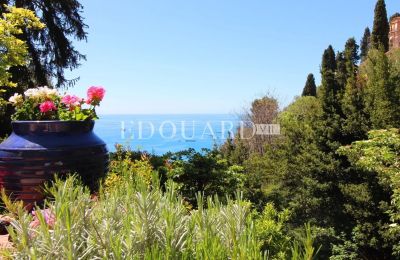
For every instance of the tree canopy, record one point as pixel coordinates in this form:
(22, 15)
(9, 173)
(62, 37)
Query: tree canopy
(51, 50)
(13, 51)
(380, 30)
(310, 89)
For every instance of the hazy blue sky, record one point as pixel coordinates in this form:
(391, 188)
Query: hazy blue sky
(210, 56)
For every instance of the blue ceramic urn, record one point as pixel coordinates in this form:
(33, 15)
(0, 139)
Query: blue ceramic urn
(37, 150)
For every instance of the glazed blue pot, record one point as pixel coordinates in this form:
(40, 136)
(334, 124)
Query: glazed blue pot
(37, 150)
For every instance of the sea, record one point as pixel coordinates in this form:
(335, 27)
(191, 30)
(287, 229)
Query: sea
(159, 134)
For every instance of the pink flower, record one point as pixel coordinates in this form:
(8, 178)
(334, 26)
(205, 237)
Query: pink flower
(48, 216)
(47, 106)
(95, 95)
(71, 100)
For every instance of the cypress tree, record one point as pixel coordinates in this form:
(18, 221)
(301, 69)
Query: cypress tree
(330, 101)
(380, 31)
(351, 56)
(328, 60)
(355, 124)
(310, 89)
(365, 43)
(341, 73)
(329, 84)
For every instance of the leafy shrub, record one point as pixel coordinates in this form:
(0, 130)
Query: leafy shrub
(205, 172)
(137, 220)
(270, 226)
(134, 221)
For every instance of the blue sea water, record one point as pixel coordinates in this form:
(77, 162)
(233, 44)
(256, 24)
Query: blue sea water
(159, 134)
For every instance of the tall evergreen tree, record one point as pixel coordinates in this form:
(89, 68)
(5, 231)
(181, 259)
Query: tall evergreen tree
(328, 60)
(310, 89)
(329, 84)
(340, 74)
(351, 56)
(330, 100)
(380, 31)
(346, 63)
(365, 44)
(351, 51)
(355, 120)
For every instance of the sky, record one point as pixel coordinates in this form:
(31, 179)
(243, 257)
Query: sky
(210, 56)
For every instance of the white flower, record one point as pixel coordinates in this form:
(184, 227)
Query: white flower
(47, 92)
(41, 93)
(16, 99)
(32, 92)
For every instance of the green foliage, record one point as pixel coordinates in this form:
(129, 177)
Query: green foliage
(381, 153)
(14, 51)
(381, 95)
(51, 51)
(341, 74)
(351, 57)
(380, 30)
(205, 172)
(328, 60)
(124, 169)
(301, 170)
(330, 95)
(304, 248)
(310, 89)
(77, 113)
(293, 171)
(135, 220)
(271, 229)
(365, 44)
(355, 121)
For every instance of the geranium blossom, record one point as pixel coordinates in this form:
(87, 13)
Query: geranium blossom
(95, 94)
(71, 100)
(47, 106)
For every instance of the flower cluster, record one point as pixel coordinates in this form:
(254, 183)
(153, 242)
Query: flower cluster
(47, 106)
(41, 93)
(95, 95)
(71, 101)
(44, 103)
